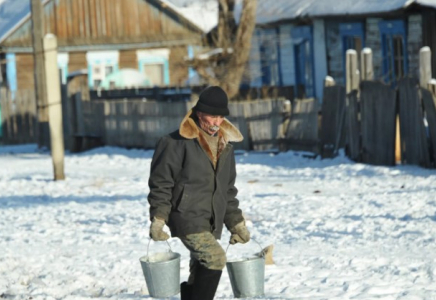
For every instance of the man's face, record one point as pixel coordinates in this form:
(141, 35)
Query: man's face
(210, 123)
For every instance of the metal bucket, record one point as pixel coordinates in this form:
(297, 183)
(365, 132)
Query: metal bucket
(162, 273)
(247, 276)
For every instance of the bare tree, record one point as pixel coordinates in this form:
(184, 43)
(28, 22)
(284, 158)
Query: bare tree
(231, 43)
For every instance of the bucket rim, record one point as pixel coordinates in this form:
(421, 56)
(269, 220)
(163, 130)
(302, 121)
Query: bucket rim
(143, 259)
(245, 260)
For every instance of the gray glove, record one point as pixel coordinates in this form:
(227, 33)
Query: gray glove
(240, 234)
(156, 230)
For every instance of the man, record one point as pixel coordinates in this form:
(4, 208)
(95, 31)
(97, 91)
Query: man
(192, 190)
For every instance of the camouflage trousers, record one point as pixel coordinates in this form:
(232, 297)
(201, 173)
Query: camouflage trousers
(205, 250)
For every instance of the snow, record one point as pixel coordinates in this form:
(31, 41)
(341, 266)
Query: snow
(341, 230)
(203, 14)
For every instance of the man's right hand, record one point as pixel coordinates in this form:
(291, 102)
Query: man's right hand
(156, 230)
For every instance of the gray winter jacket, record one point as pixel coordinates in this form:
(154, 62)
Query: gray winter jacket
(185, 189)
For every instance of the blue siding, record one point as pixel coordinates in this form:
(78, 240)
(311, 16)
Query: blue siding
(320, 58)
(254, 61)
(286, 55)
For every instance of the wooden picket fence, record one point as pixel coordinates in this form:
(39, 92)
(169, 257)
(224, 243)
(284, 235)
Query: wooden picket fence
(18, 116)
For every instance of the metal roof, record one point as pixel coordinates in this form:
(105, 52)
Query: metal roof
(269, 11)
(12, 14)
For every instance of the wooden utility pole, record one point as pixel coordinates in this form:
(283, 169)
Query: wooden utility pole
(54, 105)
(39, 72)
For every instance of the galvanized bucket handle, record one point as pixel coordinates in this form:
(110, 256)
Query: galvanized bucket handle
(261, 249)
(148, 247)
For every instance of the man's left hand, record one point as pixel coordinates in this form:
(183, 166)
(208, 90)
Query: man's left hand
(240, 234)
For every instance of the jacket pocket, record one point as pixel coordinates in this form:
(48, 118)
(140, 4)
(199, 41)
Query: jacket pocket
(185, 198)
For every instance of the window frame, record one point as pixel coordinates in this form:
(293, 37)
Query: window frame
(156, 61)
(303, 36)
(347, 30)
(388, 30)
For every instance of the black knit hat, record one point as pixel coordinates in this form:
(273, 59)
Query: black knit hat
(213, 101)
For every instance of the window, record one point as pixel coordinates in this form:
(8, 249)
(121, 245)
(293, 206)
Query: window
(303, 53)
(100, 65)
(100, 71)
(269, 56)
(154, 73)
(352, 37)
(154, 64)
(393, 39)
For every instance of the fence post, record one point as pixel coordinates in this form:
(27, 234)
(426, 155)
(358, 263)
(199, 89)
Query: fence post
(366, 64)
(424, 66)
(352, 74)
(54, 105)
(432, 89)
(329, 81)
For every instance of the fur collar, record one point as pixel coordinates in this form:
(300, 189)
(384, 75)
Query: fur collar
(188, 129)
(227, 133)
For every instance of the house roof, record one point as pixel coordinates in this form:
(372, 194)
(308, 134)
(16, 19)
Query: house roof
(270, 11)
(13, 13)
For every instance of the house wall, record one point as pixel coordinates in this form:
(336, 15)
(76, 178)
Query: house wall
(24, 65)
(128, 59)
(320, 61)
(178, 66)
(25, 74)
(373, 41)
(77, 61)
(254, 63)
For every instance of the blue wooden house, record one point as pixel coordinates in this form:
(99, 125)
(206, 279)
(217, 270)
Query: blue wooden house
(299, 43)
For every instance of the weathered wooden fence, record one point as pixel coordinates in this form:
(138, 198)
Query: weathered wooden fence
(18, 117)
(302, 129)
(370, 123)
(332, 122)
(378, 111)
(140, 123)
(259, 122)
(414, 146)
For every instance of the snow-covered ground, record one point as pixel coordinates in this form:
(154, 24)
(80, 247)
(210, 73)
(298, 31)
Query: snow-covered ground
(340, 230)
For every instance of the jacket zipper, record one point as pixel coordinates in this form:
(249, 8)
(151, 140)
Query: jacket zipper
(223, 155)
